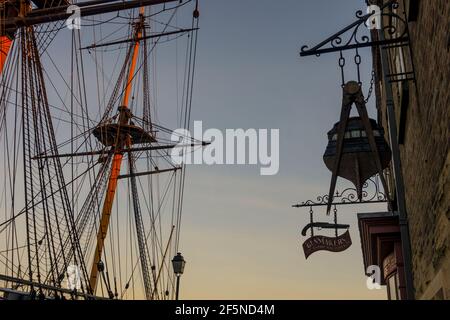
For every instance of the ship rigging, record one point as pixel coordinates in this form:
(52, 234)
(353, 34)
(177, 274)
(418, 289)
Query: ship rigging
(88, 188)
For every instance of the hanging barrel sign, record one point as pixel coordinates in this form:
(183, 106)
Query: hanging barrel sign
(333, 244)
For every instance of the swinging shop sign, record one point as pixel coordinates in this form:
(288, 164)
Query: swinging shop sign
(333, 244)
(357, 150)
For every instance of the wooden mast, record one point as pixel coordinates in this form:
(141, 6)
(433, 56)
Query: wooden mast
(124, 117)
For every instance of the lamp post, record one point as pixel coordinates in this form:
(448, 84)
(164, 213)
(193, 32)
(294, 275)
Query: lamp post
(178, 264)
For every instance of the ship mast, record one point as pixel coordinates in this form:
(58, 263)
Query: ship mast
(60, 234)
(124, 119)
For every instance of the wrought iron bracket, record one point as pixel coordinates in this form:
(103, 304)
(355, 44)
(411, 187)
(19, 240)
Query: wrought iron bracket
(371, 194)
(398, 35)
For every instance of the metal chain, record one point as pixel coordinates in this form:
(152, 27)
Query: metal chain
(335, 220)
(358, 64)
(311, 218)
(358, 61)
(342, 65)
(372, 82)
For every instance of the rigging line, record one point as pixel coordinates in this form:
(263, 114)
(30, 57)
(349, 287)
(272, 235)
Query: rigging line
(165, 24)
(12, 267)
(14, 171)
(177, 81)
(86, 105)
(153, 219)
(10, 235)
(101, 22)
(112, 247)
(163, 260)
(62, 77)
(81, 220)
(168, 130)
(158, 242)
(50, 105)
(24, 209)
(82, 89)
(128, 39)
(4, 123)
(189, 106)
(147, 236)
(97, 69)
(26, 146)
(64, 143)
(60, 119)
(118, 247)
(140, 229)
(131, 234)
(46, 32)
(140, 65)
(56, 164)
(184, 86)
(13, 183)
(115, 93)
(66, 121)
(6, 78)
(71, 113)
(150, 187)
(92, 204)
(173, 38)
(163, 10)
(115, 31)
(100, 68)
(50, 37)
(45, 154)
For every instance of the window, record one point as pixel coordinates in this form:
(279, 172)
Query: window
(397, 283)
(392, 286)
(413, 11)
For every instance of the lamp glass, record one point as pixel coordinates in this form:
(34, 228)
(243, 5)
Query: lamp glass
(178, 264)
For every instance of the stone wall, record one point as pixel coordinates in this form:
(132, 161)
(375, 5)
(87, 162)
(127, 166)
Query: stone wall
(424, 151)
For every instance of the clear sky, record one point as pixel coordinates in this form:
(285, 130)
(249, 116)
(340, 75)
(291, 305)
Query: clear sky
(240, 236)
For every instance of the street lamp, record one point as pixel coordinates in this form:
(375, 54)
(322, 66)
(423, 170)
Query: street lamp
(178, 264)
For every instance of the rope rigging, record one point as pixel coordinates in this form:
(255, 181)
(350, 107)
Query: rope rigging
(57, 112)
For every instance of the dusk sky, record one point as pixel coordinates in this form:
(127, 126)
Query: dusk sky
(240, 236)
(176, 149)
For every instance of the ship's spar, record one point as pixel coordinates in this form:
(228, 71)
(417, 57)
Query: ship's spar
(118, 134)
(19, 14)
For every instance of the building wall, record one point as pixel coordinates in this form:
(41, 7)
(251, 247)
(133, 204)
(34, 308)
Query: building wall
(425, 142)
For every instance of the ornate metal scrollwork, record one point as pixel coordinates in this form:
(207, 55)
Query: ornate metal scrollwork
(348, 38)
(371, 194)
